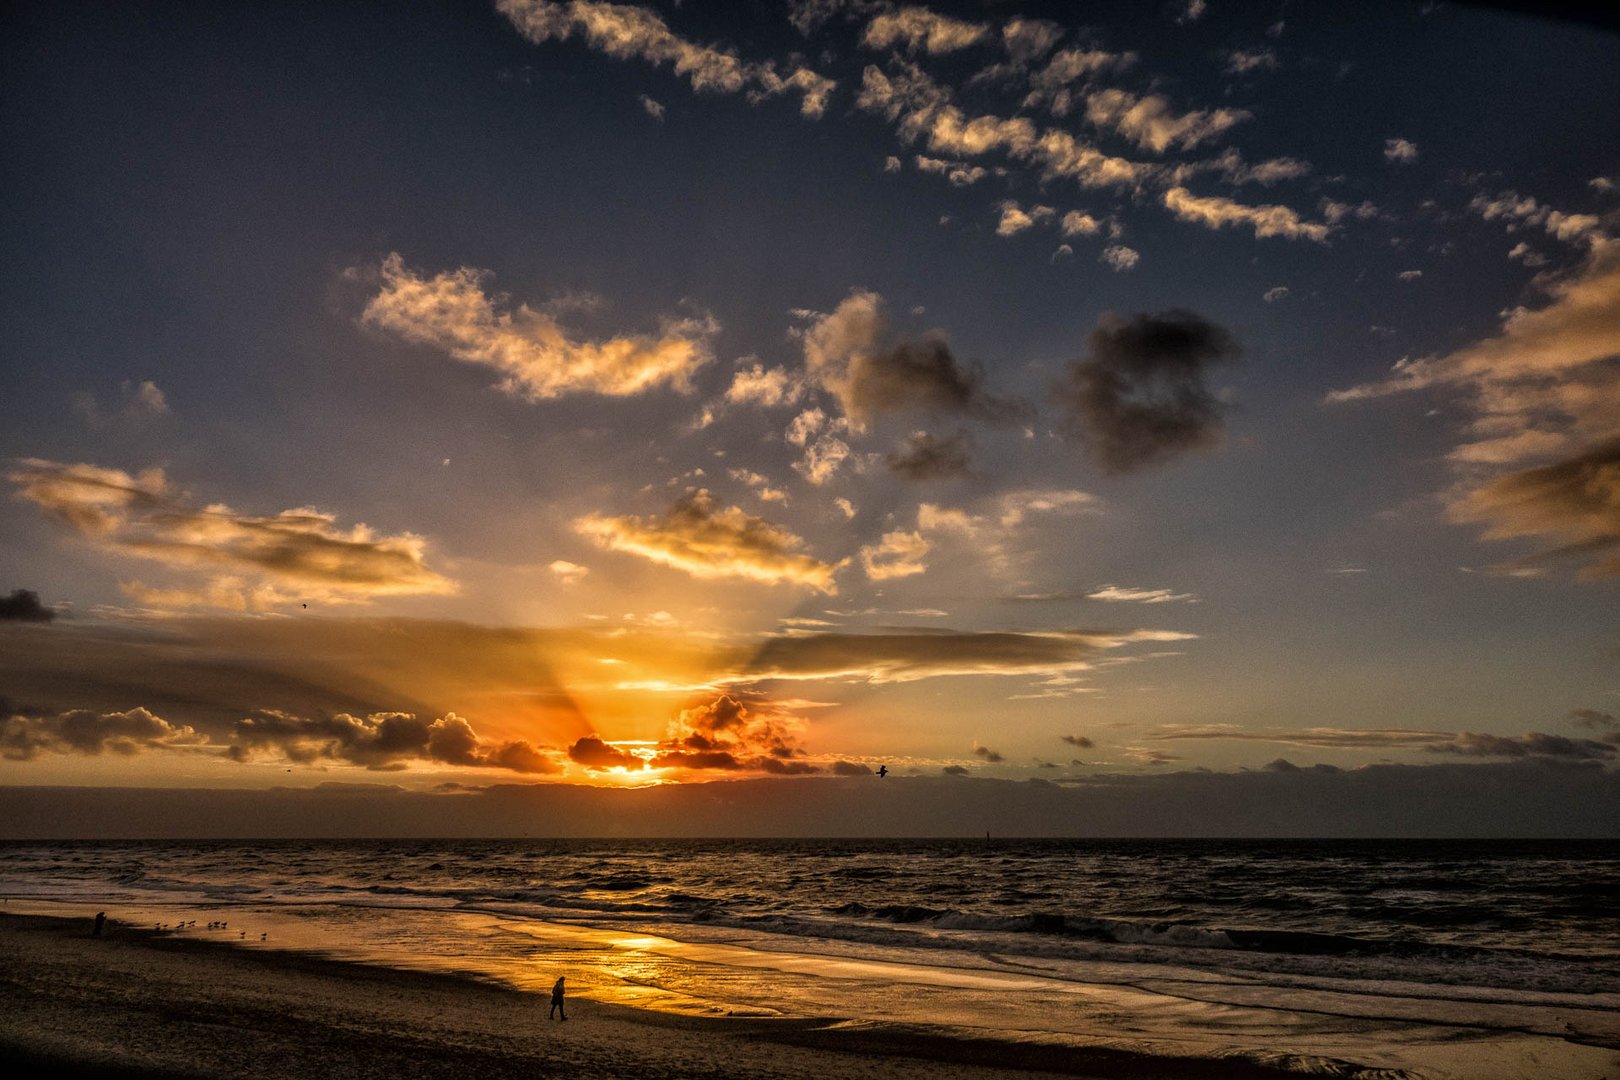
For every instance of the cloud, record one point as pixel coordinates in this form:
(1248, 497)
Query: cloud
(568, 573)
(148, 398)
(1409, 275)
(707, 540)
(23, 606)
(1080, 741)
(1215, 212)
(1519, 210)
(624, 32)
(654, 109)
(383, 741)
(760, 484)
(921, 110)
(1139, 398)
(1027, 40)
(1275, 293)
(1151, 124)
(1544, 384)
(899, 554)
(910, 656)
(1575, 501)
(1249, 61)
(987, 754)
(850, 354)
(591, 752)
(1120, 257)
(917, 29)
(727, 733)
(1592, 718)
(927, 457)
(1401, 151)
(1530, 744)
(1115, 594)
(959, 173)
(536, 357)
(82, 731)
(1014, 219)
(767, 387)
(1191, 11)
(1052, 86)
(1075, 223)
(1467, 743)
(955, 770)
(296, 553)
(850, 768)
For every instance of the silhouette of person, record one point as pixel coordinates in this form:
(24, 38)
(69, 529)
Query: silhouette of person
(101, 920)
(557, 1001)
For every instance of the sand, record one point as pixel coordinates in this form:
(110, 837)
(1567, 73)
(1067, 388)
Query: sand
(139, 1003)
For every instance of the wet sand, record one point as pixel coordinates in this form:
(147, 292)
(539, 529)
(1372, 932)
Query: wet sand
(139, 1003)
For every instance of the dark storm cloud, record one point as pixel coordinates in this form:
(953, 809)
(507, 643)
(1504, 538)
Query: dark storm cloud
(591, 752)
(927, 457)
(851, 354)
(23, 606)
(1078, 740)
(850, 768)
(1530, 744)
(1575, 501)
(988, 754)
(382, 741)
(82, 731)
(1140, 398)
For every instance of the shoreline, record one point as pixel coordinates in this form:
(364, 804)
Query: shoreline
(140, 1003)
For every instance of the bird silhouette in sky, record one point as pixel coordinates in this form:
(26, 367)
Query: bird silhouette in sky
(883, 770)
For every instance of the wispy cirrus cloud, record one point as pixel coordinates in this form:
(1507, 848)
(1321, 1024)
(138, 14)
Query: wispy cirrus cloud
(1543, 388)
(624, 31)
(250, 560)
(536, 357)
(707, 540)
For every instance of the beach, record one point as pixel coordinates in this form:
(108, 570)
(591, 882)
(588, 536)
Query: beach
(812, 958)
(141, 1003)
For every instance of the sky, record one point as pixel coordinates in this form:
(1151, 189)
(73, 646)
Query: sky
(1074, 407)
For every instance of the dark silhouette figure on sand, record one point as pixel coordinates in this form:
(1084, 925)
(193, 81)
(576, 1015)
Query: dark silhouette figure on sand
(557, 1001)
(101, 920)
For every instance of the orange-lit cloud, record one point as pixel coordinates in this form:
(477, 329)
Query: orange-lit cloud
(917, 29)
(536, 357)
(1150, 122)
(255, 561)
(907, 656)
(1217, 212)
(898, 554)
(623, 31)
(708, 540)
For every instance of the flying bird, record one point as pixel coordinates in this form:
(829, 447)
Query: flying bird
(883, 770)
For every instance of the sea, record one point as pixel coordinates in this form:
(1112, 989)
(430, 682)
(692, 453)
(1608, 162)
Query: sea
(1404, 958)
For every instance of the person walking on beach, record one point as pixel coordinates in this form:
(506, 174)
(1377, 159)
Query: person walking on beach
(557, 1001)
